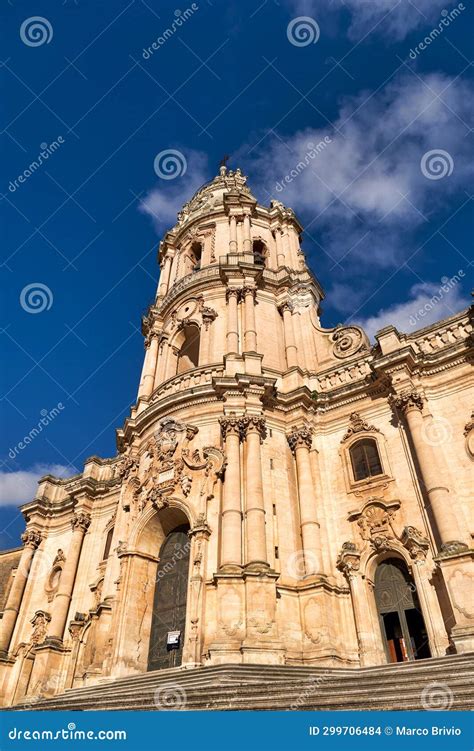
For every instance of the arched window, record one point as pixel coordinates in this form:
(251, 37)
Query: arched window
(365, 459)
(258, 248)
(108, 543)
(188, 356)
(196, 253)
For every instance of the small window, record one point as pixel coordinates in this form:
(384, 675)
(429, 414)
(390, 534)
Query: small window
(188, 356)
(108, 544)
(365, 459)
(196, 253)
(258, 248)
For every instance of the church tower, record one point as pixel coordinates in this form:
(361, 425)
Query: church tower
(281, 492)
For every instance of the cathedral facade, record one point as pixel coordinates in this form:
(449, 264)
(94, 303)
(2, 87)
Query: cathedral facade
(282, 493)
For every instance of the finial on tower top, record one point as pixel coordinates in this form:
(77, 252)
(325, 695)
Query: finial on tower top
(223, 164)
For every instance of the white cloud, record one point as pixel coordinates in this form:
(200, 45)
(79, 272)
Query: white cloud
(393, 19)
(364, 193)
(20, 487)
(429, 302)
(163, 202)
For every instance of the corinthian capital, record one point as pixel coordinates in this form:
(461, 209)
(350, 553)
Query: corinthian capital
(31, 539)
(81, 521)
(254, 424)
(231, 425)
(232, 292)
(300, 437)
(407, 400)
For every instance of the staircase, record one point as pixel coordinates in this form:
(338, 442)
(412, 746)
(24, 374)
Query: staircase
(442, 683)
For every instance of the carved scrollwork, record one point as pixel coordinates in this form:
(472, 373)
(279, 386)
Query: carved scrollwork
(300, 437)
(357, 425)
(81, 521)
(31, 538)
(348, 340)
(348, 560)
(469, 434)
(406, 400)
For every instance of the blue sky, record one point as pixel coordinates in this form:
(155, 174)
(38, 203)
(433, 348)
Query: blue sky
(385, 202)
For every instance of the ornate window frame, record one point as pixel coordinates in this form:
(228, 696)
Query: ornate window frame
(359, 430)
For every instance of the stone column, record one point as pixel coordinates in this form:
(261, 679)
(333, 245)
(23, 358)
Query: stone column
(231, 530)
(233, 234)
(247, 236)
(250, 333)
(300, 441)
(434, 474)
(279, 248)
(254, 430)
(165, 276)
(232, 321)
(290, 344)
(80, 524)
(161, 362)
(149, 366)
(31, 539)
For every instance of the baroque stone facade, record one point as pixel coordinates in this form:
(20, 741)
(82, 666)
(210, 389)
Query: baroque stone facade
(320, 484)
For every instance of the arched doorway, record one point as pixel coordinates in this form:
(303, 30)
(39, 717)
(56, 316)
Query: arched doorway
(169, 602)
(401, 621)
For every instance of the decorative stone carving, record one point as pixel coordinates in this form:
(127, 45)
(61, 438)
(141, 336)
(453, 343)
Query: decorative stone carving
(407, 399)
(415, 543)
(52, 582)
(254, 423)
(208, 316)
(348, 340)
(349, 559)
(39, 622)
(81, 520)
(31, 539)
(127, 465)
(469, 433)
(232, 424)
(358, 425)
(300, 437)
(375, 523)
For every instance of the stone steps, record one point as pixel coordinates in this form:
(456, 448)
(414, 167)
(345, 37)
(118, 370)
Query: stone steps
(243, 687)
